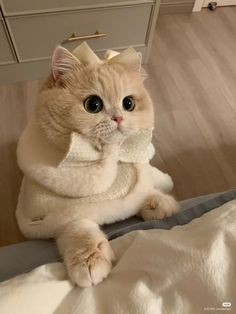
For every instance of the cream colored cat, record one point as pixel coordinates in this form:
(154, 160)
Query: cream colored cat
(85, 156)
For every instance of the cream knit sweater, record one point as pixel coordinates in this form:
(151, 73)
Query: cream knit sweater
(50, 174)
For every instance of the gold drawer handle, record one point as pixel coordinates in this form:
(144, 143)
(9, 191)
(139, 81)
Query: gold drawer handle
(74, 37)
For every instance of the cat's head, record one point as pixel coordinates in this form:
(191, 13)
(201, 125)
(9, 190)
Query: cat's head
(97, 100)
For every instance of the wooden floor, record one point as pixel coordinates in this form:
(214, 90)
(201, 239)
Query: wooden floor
(192, 79)
(193, 83)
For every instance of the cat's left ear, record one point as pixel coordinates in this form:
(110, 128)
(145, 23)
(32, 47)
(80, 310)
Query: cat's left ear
(62, 62)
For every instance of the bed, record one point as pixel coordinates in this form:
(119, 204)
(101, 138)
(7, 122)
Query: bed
(183, 264)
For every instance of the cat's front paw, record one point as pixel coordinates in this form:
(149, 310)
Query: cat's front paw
(159, 206)
(90, 265)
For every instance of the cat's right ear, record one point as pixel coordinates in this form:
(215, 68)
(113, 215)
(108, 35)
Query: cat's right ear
(62, 62)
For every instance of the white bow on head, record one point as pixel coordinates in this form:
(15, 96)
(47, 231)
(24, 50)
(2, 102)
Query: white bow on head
(129, 57)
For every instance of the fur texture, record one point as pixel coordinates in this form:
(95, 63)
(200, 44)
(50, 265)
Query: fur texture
(60, 109)
(61, 201)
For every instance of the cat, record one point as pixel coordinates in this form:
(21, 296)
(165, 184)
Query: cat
(85, 156)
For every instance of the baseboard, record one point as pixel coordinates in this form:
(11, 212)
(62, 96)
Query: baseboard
(176, 6)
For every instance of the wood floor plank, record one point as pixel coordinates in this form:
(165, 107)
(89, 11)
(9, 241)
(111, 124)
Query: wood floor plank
(16, 104)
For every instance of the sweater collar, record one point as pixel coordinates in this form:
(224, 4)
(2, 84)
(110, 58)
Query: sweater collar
(135, 148)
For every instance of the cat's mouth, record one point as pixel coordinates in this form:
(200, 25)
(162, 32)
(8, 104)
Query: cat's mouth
(105, 132)
(118, 128)
(124, 130)
(121, 129)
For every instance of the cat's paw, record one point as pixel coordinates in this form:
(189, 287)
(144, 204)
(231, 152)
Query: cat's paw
(89, 265)
(159, 207)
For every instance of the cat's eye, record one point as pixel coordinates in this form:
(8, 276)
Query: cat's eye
(128, 103)
(93, 104)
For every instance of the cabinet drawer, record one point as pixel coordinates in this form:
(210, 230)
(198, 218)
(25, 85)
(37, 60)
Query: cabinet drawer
(19, 7)
(35, 36)
(6, 55)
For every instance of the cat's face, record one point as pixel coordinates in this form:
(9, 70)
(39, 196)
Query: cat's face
(102, 102)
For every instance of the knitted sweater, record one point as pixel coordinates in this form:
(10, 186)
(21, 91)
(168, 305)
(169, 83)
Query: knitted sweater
(50, 174)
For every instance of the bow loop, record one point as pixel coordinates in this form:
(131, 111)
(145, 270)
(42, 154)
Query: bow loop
(129, 57)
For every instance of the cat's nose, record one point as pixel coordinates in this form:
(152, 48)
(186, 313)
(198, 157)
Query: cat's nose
(118, 119)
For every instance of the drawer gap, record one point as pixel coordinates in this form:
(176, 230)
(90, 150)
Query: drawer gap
(9, 38)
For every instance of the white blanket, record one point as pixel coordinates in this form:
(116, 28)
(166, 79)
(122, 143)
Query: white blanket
(186, 270)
